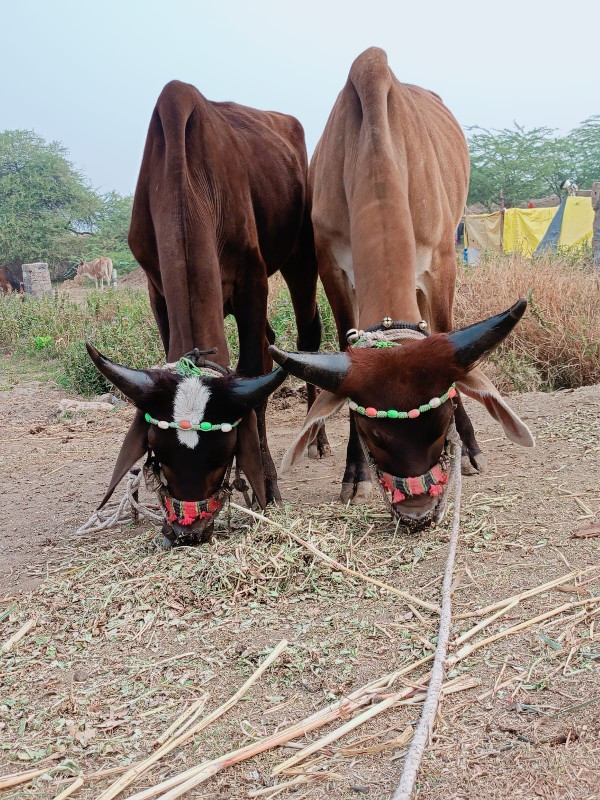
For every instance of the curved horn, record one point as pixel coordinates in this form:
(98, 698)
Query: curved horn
(326, 370)
(251, 392)
(135, 384)
(475, 341)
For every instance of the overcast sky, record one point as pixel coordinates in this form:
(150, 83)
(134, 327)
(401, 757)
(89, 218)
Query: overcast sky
(89, 74)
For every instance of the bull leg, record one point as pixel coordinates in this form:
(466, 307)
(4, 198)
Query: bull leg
(159, 309)
(435, 303)
(303, 291)
(249, 304)
(356, 483)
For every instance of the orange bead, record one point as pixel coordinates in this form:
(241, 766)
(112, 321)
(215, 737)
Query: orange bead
(414, 413)
(451, 393)
(185, 424)
(371, 412)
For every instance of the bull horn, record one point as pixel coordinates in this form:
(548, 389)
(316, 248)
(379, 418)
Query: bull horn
(249, 393)
(476, 341)
(135, 384)
(326, 370)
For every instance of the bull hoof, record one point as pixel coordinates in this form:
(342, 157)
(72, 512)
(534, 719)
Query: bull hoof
(474, 464)
(165, 543)
(363, 493)
(347, 493)
(318, 450)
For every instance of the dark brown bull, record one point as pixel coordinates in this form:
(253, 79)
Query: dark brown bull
(220, 206)
(8, 281)
(389, 181)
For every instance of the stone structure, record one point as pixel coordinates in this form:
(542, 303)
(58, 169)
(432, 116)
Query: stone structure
(36, 279)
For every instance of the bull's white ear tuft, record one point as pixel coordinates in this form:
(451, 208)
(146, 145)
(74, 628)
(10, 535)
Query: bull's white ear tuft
(324, 407)
(479, 387)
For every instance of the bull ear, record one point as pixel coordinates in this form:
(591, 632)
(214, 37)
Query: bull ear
(136, 384)
(324, 406)
(326, 370)
(133, 448)
(249, 458)
(478, 386)
(476, 341)
(249, 393)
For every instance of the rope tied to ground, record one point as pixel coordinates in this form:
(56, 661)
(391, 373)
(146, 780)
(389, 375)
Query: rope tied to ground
(422, 735)
(128, 509)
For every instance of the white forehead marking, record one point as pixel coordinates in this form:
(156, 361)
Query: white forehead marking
(190, 402)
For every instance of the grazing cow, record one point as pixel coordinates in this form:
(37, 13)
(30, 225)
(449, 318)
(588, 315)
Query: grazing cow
(220, 205)
(100, 268)
(389, 180)
(8, 282)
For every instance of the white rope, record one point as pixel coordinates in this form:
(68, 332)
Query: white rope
(127, 510)
(422, 734)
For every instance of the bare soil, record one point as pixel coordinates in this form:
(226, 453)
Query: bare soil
(127, 634)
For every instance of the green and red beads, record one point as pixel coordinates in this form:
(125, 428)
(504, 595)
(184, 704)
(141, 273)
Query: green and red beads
(373, 413)
(186, 425)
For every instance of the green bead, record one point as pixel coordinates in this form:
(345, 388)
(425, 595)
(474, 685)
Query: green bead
(360, 409)
(403, 414)
(205, 426)
(147, 417)
(424, 408)
(393, 414)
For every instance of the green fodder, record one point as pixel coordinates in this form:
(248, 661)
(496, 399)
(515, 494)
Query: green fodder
(557, 343)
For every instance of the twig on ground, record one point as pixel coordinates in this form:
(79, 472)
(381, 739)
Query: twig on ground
(142, 766)
(69, 790)
(17, 778)
(183, 721)
(18, 635)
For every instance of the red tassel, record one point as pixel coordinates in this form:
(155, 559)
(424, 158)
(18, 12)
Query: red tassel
(214, 505)
(434, 491)
(190, 513)
(398, 497)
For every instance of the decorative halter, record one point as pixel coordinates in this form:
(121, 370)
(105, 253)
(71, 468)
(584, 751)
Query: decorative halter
(373, 413)
(188, 369)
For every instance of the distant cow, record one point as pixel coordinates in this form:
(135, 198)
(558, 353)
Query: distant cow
(8, 282)
(389, 181)
(98, 268)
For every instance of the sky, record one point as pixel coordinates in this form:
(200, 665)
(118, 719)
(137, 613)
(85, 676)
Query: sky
(88, 74)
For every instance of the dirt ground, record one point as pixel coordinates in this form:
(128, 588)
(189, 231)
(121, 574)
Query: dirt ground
(127, 634)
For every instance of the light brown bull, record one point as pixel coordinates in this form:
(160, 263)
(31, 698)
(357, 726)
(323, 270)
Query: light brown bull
(389, 181)
(100, 268)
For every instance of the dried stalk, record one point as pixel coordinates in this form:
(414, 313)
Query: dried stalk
(543, 587)
(77, 784)
(16, 637)
(331, 562)
(483, 624)
(17, 778)
(422, 734)
(466, 651)
(183, 721)
(134, 773)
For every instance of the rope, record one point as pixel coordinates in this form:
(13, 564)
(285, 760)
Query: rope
(422, 734)
(129, 509)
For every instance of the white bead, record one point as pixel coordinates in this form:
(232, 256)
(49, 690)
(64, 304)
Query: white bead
(353, 405)
(226, 427)
(163, 424)
(435, 402)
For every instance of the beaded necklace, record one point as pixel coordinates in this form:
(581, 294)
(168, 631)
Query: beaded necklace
(188, 369)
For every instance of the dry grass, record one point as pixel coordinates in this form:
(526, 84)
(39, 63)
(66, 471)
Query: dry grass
(557, 344)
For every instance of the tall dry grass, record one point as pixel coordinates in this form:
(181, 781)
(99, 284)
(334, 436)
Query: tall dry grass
(557, 343)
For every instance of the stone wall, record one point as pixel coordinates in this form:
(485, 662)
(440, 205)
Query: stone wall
(36, 279)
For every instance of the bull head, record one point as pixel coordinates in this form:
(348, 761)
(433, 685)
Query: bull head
(194, 463)
(404, 378)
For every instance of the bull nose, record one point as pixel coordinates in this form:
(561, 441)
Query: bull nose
(417, 509)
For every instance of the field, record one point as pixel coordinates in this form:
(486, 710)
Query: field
(125, 636)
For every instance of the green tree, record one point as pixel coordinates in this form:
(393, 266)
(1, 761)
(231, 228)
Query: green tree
(523, 164)
(46, 206)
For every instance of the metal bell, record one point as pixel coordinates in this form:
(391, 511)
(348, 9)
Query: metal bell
(387, 322)
(352, 336)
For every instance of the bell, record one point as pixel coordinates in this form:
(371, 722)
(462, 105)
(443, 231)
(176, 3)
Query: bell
(352, 336)
(387, 322)
(422, 325)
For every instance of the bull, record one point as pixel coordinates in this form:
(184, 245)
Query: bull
(389, 181)
(220, 205)
(100, 269)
